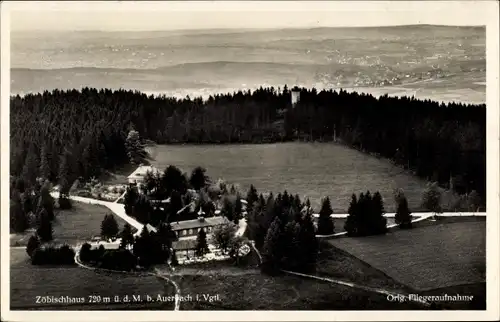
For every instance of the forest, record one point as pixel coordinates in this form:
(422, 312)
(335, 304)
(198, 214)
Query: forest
(65, 135)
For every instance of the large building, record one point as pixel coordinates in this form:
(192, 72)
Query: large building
(139, 174)
(190, 228)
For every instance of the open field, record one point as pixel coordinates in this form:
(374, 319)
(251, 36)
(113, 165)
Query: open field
(27, 282)
(313, 170)
(338, 264)
(73, 226)
(259, 292)
(81, 222)
(441, 254)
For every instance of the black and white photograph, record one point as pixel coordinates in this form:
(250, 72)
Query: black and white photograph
(329, 157)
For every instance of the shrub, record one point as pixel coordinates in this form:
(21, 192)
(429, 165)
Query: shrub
(86, 253)
(118, 259)
(64, 255)
(64, 203)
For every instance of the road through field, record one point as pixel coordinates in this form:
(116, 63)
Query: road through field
(118, 209)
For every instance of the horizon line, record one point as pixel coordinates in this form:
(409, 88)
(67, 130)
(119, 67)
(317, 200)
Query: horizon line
(248, 28)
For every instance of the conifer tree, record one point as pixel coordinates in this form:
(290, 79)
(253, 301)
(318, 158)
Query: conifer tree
(130, 200)
(292, 246)
(30, 169)
(46, 201)
(109, 227)
(135, 147)
(403, 215)
(143, 248)
(198, 179)
(201, 243)
(351, 224)
(431, 198)
(127, 238)
(309, 243)
(18, 218)
(308, 204)
(238, 209)
(379, 222)
(228, 209)
(64, 180)
(27, 203)
(325, 222)
(44, 230)
(252, 197)
(272, 253)
(44, 163)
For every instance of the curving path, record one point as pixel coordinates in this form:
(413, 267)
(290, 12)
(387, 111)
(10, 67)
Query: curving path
(361, 287)
(159, 274)
(354, 285)
(117, 208)
(156, 274)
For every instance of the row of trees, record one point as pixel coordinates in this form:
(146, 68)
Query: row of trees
(366, 215)
(88, 130)
(32, 207)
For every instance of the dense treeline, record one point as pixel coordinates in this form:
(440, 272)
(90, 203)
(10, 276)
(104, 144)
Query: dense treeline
(87, 129)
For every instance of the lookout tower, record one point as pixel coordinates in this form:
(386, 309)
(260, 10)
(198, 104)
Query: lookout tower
(295, 97)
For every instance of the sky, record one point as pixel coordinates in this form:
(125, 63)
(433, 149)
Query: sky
(141, 16)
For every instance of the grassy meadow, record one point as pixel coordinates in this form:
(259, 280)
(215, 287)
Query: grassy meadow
(440, 255)
(73, 226)
(312, 170)
(255, 291)
(28, 281)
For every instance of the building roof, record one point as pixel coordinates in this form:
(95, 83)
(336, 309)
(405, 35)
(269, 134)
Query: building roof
(141, 171)
(197, 223)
